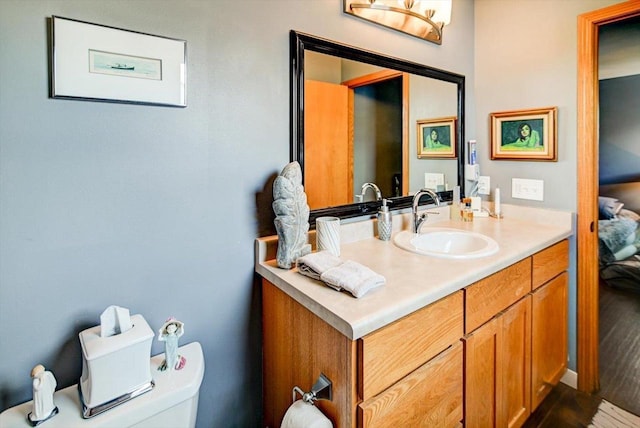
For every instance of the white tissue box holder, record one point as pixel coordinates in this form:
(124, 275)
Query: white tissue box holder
(115, 369)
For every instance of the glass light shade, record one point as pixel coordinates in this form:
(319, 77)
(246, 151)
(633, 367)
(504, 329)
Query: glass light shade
(420, 18)
(442, 9)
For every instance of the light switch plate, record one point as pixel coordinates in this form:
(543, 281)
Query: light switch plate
(522, 188)
(484, 185)
(432, 180)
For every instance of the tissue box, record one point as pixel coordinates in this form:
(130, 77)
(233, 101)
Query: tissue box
(115, 366)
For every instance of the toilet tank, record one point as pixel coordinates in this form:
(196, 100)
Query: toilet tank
(181, 415)
(172, 403)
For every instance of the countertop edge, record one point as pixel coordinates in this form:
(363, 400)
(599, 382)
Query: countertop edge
(311, 294)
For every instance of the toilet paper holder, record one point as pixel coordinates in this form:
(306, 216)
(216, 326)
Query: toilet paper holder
(321, 390)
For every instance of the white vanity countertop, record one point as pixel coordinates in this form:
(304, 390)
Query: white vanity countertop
(413, 280)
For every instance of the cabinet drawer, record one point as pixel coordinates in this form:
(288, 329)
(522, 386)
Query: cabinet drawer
(389, 354)
(485, 298)
(430, 396)
(550, 262)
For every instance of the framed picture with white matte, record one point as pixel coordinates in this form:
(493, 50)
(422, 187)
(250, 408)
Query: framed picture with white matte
(95, 62)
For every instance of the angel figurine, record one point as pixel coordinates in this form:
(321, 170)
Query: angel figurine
(170, 332)
(44, 385)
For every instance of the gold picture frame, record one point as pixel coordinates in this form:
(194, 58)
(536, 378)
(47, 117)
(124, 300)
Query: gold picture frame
(436, 138)
(529, 135)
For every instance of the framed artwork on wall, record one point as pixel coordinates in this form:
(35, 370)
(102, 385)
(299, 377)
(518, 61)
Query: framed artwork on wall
(525, 135)
(98, 63)
(436, 138)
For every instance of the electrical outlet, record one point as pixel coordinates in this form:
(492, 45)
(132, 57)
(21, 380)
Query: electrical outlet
(484, 185)
(522, 188)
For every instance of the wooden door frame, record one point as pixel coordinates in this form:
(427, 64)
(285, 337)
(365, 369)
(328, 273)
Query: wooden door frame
(381, 76)
(588, 156)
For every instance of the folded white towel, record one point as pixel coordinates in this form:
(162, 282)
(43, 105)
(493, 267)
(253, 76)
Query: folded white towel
(353, 277)
(315, 264)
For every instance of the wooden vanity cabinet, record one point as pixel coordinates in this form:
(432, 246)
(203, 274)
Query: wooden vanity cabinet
(408, 373)
(497, 354)
(498, 346)
(549, 337)
(549, 327)
(483, 375)
(498, 369)
(392, 352)
(516, 381)
(514, 357)
(428, 397)
(297, 347)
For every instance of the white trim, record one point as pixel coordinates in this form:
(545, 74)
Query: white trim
(570, 378)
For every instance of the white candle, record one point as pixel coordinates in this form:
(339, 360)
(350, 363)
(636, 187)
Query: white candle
(496, 202)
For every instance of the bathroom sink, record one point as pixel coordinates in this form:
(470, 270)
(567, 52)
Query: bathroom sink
(447, 243)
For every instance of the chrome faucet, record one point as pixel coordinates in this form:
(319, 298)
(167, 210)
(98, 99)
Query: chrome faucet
(419, 219)
(366, 186)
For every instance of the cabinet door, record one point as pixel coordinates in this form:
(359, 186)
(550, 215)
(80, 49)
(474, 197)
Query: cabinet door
(483, 375)
(430, 396)
(498, 370)
(549, 337)
(515, 327)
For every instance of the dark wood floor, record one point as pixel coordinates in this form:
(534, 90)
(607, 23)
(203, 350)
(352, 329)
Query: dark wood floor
(619, 368)
(620, 348)
(564, 407)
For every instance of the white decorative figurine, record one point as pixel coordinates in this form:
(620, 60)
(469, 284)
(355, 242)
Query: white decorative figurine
(171, 330)
(44, 385)
(292, 216)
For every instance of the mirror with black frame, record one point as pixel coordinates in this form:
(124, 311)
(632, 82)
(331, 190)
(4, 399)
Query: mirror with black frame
(359, 117)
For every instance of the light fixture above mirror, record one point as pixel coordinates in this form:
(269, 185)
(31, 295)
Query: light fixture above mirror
(424, 19)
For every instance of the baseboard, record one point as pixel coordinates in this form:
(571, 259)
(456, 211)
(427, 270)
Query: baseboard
(570, 378)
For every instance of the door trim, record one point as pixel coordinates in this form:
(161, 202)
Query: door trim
(588, 156)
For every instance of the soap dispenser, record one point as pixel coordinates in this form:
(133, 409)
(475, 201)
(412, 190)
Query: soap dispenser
(384, 221)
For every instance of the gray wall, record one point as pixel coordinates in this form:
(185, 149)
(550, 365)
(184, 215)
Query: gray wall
(619, 72)
(619, 48)
(619, 130)
(518, 70)
(519, 67)
(155, 208)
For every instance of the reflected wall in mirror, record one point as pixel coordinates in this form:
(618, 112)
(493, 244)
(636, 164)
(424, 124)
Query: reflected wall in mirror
(353, 121)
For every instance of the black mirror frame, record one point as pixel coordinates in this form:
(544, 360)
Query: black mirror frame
(299, 42)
